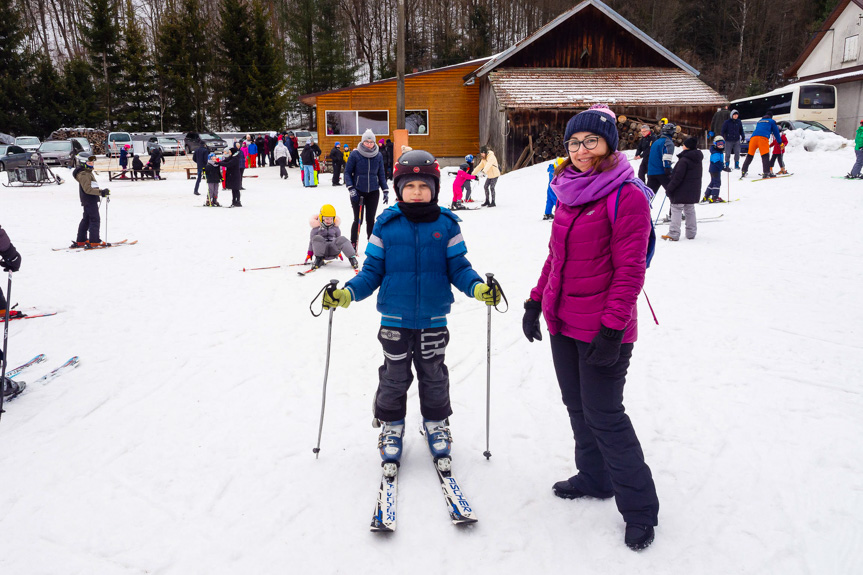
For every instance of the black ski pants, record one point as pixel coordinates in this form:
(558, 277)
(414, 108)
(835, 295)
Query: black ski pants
(642, 170)
(608, 455)
(235, 197)
(337, 172)
(91, 221)
(369, 202)
(283, 172)
(654, 182)
(425, 348)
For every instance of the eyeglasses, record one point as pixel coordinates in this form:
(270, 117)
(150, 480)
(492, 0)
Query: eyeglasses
(589, 143)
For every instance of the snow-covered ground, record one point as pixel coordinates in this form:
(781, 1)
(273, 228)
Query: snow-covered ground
(183, 442)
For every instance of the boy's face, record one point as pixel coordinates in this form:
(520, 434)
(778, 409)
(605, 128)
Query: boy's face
(416, 191)
(328, 221)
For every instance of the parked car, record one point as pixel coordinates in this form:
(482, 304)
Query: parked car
(12, 156)
(114, 141)
(802, 125)
(60, 152)
(169, 146)
(195, 140)
(29, 143)
(748, 130)
(86, 150)
(303, 136)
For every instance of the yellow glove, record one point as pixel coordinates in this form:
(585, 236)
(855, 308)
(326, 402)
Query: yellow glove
(485, 294)
(340, 298)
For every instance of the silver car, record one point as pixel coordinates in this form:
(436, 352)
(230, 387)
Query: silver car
(60, 152)
(29, 143)
(169, 146)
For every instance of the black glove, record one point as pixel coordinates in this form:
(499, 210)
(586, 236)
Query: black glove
(386, 197)
(11, 259)
(530, 321)
(604, 350)
(667, 171)
(105, 192)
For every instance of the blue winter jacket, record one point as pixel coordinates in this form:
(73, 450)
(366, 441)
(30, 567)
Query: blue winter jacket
(661, 154)
(765, 127)
(253, 148)
(414, 264)
(365, 174)
(717, 160)
(732, 130)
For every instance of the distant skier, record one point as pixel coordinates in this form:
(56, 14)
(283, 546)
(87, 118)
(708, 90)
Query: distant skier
(488, 165)
(779, 154)
(326, 241)
(90, 195)
(732, 131)
(659, 162)
(760, 142)
(415, 252)
(684, 189)
(462, 177)
(858, 149)
(717, 166)
(550, 196)
(466, 187)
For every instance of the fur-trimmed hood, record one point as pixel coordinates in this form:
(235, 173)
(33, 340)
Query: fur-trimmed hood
(315, 221)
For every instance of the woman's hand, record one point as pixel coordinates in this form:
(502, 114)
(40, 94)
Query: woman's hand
(530, 321)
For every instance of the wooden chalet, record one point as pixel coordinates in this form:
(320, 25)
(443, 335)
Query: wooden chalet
(440, 111)
(587, 55)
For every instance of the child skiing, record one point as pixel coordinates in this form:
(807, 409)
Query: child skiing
(466, 187)
(414, 299)
(326, 241)
(779, 154)
(550, 196)
(213, 173)
(717, 166)
(462, 177)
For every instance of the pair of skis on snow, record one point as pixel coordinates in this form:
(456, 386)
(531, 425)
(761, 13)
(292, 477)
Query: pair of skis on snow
(384, 517)
(83, 249)
(70, 364)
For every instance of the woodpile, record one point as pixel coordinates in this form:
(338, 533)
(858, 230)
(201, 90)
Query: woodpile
(96, 137)
(549, 144)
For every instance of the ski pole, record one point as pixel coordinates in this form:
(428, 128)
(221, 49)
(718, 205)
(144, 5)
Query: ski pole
(107, 203)
(487, 452)
(5, 344)
(317, 449)
(729, 186)
(659, 213)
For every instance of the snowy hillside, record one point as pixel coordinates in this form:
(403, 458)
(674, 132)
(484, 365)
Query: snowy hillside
(183, 443)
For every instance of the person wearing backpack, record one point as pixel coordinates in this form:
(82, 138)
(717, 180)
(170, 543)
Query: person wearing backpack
(600, 247)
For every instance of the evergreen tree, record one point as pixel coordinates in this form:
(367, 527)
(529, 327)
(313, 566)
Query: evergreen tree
(268, 83)
(100, 34)
(79, 100)
(14, 71)
(137, 108)
(45, 106)
(235, 62)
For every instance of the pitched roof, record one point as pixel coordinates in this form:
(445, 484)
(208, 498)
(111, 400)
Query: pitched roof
(819, 35)
(502, 57)
(582, 87)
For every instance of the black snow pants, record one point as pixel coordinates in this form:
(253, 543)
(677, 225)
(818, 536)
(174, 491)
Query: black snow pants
(369, 201)
(91, 221)
(608, 455)
(337, 172)
(654, 182)
(426, 349)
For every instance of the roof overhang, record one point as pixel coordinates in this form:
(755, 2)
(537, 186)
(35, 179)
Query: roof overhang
(501, 58)
(819, 35)
(534, 88)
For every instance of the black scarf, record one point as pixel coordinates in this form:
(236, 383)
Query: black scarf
(420, 212)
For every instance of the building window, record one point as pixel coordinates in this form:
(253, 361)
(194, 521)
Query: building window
(355, 122)
(850, 54)
(417, 122)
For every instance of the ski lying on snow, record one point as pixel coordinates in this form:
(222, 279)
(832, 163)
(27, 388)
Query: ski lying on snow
(30, 314)
(71, 364)
(698, 220)
(773, 178)
(459, 509)
(38, 359)
(83, 249)
(384, 518)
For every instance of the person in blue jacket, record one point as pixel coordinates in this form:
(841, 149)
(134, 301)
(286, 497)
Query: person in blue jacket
(550, 196)
(732, 132)
(760, 141)
(659, 161)
(415, 253)
(717, 166)
(365, 177)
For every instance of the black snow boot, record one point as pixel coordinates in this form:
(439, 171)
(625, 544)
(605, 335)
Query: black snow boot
(12, 389)
(319, 261)
(354, 263)
(638, 536)
(566, 490)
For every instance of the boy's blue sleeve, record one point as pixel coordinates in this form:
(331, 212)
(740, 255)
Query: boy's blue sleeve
(668, 156)
(371, 276)
(459, 270)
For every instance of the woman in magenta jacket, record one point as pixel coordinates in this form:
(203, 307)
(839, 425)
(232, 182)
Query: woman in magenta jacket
(587, 292)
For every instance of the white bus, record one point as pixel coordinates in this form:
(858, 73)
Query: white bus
(809, 102)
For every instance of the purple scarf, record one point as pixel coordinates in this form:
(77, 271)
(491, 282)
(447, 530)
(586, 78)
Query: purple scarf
(574, 188)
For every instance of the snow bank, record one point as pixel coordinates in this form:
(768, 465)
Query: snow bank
(812, 141)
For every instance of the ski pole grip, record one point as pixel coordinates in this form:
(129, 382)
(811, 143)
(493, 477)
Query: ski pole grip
(489, 277)
(332, 287)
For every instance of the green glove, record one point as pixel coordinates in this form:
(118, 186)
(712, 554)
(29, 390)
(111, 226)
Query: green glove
(485, 294)
(339, 298)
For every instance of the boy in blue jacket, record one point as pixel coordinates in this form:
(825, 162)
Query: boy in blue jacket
(717, 166)
(416, 251)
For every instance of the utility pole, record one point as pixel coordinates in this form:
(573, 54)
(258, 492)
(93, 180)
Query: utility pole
(400, 69)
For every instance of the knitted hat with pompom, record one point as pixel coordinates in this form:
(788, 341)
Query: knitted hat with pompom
(599, 120)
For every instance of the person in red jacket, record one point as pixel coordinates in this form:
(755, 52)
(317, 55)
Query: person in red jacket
(779, 154)
(587, 292)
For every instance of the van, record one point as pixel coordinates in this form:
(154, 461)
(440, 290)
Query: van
(115, 141)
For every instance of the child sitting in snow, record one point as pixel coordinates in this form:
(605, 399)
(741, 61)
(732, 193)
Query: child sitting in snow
(461, 178)
(717, 165)
(326, 241)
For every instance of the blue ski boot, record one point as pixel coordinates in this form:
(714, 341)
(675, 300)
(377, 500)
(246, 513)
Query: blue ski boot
(439, 440)
(390, 445)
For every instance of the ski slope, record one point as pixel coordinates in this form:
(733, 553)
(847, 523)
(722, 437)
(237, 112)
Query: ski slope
(183, 443)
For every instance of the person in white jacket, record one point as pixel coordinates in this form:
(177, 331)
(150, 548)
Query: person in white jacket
(281, 156)
(489, 166)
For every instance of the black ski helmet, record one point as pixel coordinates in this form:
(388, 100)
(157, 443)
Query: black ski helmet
(416, 162)
(668, 129)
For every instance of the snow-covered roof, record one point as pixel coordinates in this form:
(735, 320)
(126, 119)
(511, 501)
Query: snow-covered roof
(580, 87)
(500, 58)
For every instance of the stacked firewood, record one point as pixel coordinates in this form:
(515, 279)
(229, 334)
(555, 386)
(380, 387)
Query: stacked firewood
(629, 130)
(96, 137)
(548, 145)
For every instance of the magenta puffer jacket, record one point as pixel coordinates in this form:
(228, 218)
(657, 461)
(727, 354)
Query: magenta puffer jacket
(595, 267)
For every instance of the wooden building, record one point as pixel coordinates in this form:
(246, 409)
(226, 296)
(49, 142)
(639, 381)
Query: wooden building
(441, 112)
(587, 55)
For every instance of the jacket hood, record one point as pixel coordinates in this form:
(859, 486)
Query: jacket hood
(694, 154)
(314, 222)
